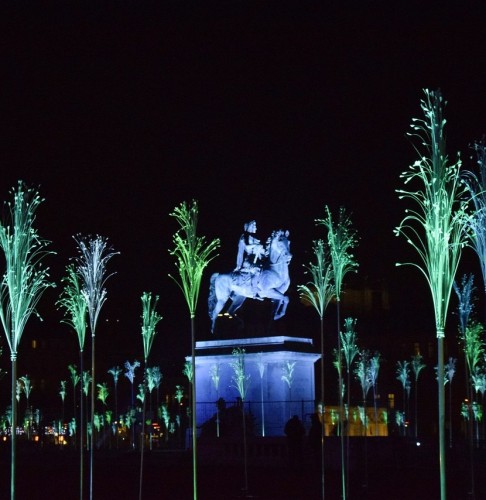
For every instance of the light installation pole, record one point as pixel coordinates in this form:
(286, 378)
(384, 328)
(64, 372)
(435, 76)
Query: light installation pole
(436, 229)
(74, 305)
(341, 239)
(150, 319)
(192, 254)
(94, 254)
(23, 283)
(319, 291)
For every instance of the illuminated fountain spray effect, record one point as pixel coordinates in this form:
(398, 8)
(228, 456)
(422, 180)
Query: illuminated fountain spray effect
(192, 254)
(23, 283)
(436, 228)
(94, 254)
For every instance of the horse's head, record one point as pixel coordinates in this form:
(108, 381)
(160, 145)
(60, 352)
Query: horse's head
(279, 247)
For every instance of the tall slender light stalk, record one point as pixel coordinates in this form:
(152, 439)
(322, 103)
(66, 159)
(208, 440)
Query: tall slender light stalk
(450, 370)
(75, 309)
(350, 351)
(436, 229)
(94, 254)
(341, 238)
(417, 366)
(150, 319)
(115, 373)
(192, 254)
(319, 291)
(364, 373)
(23, 282)
(477, 224)
(242, 382)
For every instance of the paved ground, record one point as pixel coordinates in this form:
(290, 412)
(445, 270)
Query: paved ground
(391, 472)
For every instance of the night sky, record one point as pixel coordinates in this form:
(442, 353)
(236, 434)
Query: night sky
(265, 110)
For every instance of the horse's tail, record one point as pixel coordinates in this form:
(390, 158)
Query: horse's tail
(212, 299)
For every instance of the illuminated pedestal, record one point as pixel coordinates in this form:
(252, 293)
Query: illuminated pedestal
(269, 398)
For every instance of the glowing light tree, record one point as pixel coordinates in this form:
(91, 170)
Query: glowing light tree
(192, 254)
(115, 373)
(75, 309)
(319, 292)
(436, 229)
(403, 375)
(26, 387)
(477, 223)
(130, 374)
(464, 291)
(363, 373)
(288, 377)
(23, 283)
(85, 385)
(242, 382)
(94, 254)
(150, 319)
(417, 365)
(341, 238)
(350, 351)
(214, 373)
(62, 393)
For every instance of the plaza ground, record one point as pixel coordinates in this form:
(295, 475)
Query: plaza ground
(394, 468)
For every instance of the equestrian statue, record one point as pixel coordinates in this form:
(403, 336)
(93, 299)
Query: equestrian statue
(262, 272)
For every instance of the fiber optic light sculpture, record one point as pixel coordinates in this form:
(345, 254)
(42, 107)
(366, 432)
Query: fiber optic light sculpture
(341, 238)
(436, 228)
(477, 224)
(94, 254)
(192, 254)
(23, 283)
(319, 291)
(403, 375)
(76, 309)
(417, 366)
(150, 319)
(115, 373)
(242, 381)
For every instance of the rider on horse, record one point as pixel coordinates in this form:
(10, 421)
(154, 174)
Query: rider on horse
(250, 252)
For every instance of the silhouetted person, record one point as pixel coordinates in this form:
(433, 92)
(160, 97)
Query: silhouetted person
(295, 432)
(316, 434)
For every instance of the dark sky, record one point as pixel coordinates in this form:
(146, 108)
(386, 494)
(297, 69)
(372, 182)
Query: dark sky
(265, 110)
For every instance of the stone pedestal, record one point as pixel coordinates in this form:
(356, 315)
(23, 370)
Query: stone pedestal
(269, 398)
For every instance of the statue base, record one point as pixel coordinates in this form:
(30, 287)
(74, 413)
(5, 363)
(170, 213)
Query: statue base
(281, 382)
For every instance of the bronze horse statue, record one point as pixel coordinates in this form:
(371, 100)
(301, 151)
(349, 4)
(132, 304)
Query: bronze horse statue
(270, 282)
